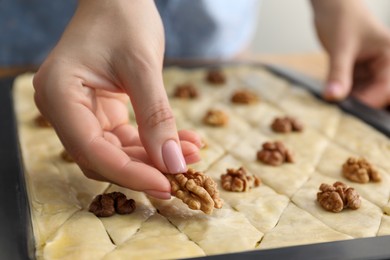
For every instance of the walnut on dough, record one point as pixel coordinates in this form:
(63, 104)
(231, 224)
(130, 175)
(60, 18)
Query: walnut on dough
(274, 153)
(215, 117)
(360, 170)
(286, 124)
(238, 180)
(338, 196)
(195, 189)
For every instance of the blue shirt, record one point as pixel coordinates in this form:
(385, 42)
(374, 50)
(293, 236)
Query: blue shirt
(29, 29)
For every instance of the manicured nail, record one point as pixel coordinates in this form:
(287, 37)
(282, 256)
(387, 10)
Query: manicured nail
(158, 194)
(173, 157)
(334, 90)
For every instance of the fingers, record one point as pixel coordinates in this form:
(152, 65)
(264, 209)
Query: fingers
(128, 135)
(373, 85)
(373, 97)
(192, 137)
(115, 165)
(190, 153)
(111, 138)
(339, 80)
(156, 123)
(190, 143)
(70, 111)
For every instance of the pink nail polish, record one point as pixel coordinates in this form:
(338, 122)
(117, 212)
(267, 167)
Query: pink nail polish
(158, 194)
(334, 89)
(173, 157)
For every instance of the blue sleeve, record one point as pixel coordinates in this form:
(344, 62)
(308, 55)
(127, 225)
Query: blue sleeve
(29, 29)
(207, 28)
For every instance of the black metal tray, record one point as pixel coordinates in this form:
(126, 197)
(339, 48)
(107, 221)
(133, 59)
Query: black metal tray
(17, 239)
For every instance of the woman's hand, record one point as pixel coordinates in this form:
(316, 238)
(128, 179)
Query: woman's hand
(359, 51)
(110, 51)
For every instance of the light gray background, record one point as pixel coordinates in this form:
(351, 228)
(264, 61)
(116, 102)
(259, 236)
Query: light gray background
(285, 26)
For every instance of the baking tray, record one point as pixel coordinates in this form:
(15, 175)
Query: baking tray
(17, 239)
(16, 236)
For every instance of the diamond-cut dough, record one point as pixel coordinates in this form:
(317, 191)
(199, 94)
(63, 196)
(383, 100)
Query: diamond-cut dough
(261, 205)
(266, 85)
(209, 154)
(156, 239)
(281, 212)
(331, 165)
(362, 222)
(307, 230)
(214, 233)
(386, 208)
(384, 228)
(319, 115)
(122, 227)
(364, 140)
(82, 237)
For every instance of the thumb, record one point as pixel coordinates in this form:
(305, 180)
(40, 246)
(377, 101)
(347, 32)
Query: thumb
(339, 80)
(155, 119)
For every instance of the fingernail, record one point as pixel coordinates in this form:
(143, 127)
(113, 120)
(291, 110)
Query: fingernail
(173, 157)
(158, 194)
(334, 90)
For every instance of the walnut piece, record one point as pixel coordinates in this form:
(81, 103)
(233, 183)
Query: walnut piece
(238, 180)
(41, 121)
(66, 156)
(215, 117)
(338, 196)
(275, 154)
(360, 170)
(105, 205)
(286, 125)
(186, 91)
(216, 77)
(244, 96)
(102, 206)
(196, 190)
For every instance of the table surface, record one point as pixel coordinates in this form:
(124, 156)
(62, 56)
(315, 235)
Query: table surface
(312, 64)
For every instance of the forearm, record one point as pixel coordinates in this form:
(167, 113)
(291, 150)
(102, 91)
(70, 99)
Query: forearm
(327, 6)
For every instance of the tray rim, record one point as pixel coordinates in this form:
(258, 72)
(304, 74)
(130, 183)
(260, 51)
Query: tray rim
(18, 223)
(23, 247)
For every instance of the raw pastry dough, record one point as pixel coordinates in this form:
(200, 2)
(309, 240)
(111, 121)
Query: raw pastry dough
(376, 192)
(156, 239)
(282, 211)
(307, 230)
(213, 233)
(357, 223)
(82, 237)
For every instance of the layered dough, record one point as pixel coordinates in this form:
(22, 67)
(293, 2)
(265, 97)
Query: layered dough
(282, 211)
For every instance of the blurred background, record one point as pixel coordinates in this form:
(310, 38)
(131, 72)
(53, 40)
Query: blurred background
(286, 27)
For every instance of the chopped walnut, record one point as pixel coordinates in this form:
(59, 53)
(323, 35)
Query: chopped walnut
(244, 96)
(196, 190)
(275, 154)
(122, 204)
(66, 156)
(215, 117)
(237, 180)
(286, 125)
(204, 144)
(41, 121)
(105, 205)
(102, 206)
(360, 170)
(338, 196)
(186, 91)
(216, 77)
